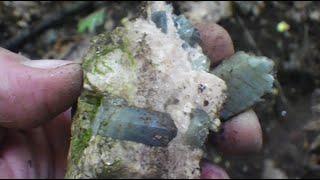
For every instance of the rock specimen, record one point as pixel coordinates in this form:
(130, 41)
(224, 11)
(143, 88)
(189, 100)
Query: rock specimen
(148, 101)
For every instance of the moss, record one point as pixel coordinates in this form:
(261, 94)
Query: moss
(124, 47)
(100, 46)
(87, 105)
(98, 56)
(79, 144)
(87, 65)
(105, 44)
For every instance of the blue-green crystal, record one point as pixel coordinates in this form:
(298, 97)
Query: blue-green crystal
(160, 19)
(198, 129)
(118, 120)
(191, 36)
(186, 30)
(248, 78)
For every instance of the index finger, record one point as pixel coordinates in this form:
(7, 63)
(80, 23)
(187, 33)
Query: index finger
(215, 42)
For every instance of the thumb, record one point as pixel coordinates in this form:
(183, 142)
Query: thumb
(32, 92)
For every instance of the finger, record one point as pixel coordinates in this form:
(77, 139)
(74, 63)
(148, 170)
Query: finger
(34, 92)
(211, 171)
(59, 132)
(43, 157)
(241, 134)
(215, 42)
(16, 154)
(5, 171)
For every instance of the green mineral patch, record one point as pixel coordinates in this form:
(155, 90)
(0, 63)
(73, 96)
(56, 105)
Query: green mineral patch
(80, 143)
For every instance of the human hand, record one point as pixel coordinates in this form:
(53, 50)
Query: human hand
(35, 129)
(241, 134)
(35, 138)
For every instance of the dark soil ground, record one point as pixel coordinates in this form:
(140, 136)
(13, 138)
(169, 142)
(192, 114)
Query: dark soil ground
(49, 30)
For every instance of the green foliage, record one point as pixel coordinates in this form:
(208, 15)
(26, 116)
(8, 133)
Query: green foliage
(91, 22)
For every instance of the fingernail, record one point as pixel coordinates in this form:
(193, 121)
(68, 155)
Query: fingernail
(48, 64)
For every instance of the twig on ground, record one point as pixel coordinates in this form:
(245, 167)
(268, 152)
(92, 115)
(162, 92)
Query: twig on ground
(248, 35)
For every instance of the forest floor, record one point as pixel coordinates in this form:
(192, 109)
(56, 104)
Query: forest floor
(290, 121)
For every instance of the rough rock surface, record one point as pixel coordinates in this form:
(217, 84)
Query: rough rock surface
(155, 83)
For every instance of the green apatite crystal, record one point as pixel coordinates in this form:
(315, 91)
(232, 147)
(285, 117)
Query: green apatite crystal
(186, 30)
(191, 36)
(116, 119)
(198, 129)
(248, 78)
(160, 19)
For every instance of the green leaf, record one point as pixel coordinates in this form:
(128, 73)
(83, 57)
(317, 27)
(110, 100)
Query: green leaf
(91, 22)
